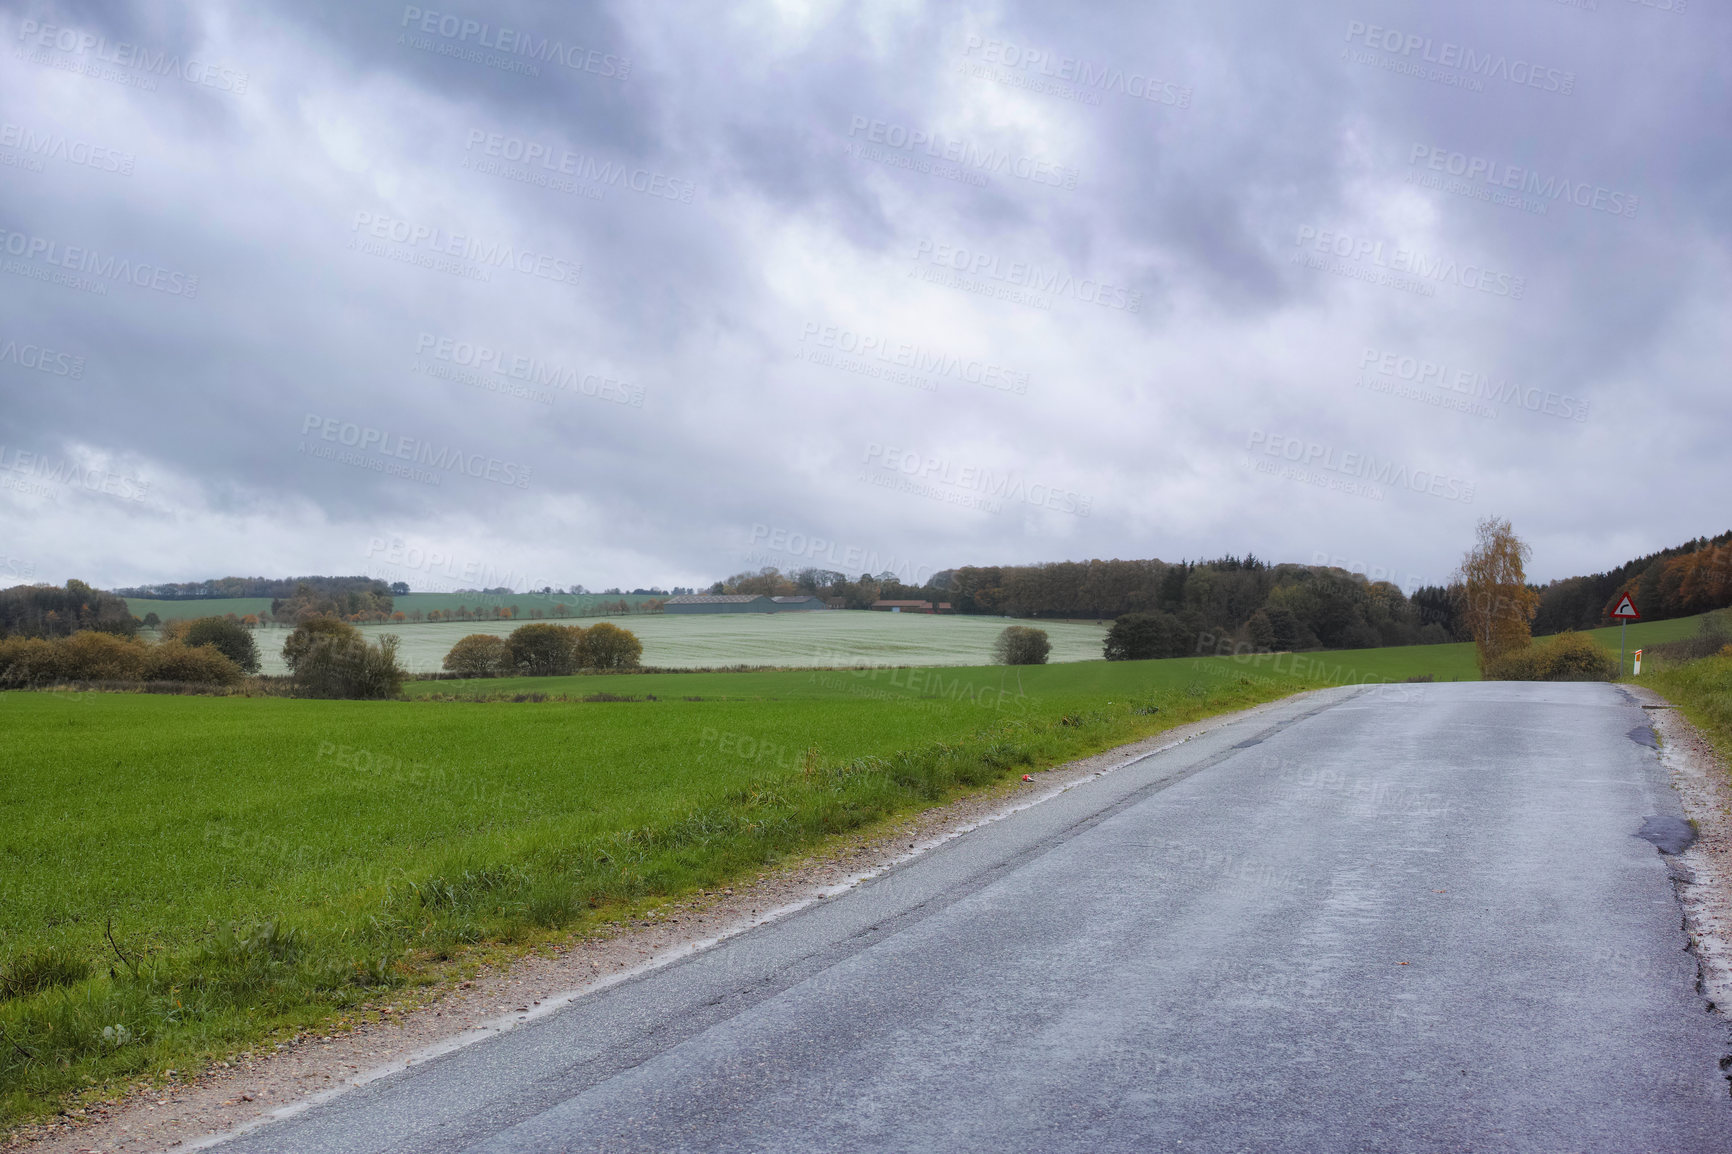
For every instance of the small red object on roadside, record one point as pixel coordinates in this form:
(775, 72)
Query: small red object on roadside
(1026, 777)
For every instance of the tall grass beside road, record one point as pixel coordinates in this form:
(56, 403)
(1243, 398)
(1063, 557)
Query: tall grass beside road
(1703, 691)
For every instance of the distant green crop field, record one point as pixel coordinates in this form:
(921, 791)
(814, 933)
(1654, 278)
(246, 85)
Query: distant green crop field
(210, 607)
(813, 638)
(1648, 632)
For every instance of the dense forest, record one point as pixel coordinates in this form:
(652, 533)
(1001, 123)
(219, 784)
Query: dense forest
(1249, 602)
(1243, 600)
(1679, 582)
(47, 611)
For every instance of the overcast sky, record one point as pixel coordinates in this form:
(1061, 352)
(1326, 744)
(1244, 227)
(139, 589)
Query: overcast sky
(534, 294)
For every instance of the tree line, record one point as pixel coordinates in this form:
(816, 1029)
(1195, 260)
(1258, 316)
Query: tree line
(50, 611)
(1682, 581)
(283, 587)
(1171, 606)
(1174, 604)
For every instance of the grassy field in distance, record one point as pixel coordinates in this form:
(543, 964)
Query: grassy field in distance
(1079, 682)
(814, 638)
(1450, 662)
(1647, 632)
(207, 607)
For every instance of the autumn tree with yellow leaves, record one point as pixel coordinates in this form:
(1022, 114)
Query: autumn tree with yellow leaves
(1496, 603)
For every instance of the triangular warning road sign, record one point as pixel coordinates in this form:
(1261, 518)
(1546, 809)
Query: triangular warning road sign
(1625, 609)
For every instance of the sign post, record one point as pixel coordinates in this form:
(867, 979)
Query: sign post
(1625, 612)
(1636, 658)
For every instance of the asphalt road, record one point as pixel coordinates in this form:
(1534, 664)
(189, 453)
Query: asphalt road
(1413, 918)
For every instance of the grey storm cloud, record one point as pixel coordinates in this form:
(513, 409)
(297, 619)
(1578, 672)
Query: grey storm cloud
(653, 293)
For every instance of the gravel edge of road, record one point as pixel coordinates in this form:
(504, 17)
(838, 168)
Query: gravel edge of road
(1703, 781)
(416, 1025)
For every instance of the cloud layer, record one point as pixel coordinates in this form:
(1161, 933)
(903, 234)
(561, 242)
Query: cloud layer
(651, 293)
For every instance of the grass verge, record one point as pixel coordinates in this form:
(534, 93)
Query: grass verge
(1702, 690)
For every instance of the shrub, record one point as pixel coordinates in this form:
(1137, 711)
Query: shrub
(1142, 636)
(317, 633)
(331, 659)
(198, 664)
(543, 650)
(91, 656)
(377, 674)
(30, 661)
(479, 655)
(231, 638)
(1021, 645)
(607, 646)
(1566, 657)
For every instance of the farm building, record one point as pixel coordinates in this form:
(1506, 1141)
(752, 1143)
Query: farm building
(738, 603)
(911, 607)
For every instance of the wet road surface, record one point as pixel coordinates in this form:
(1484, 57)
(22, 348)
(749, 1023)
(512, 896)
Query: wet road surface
(1408, 918)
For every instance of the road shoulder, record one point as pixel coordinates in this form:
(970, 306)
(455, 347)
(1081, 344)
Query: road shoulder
(1700, 775)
